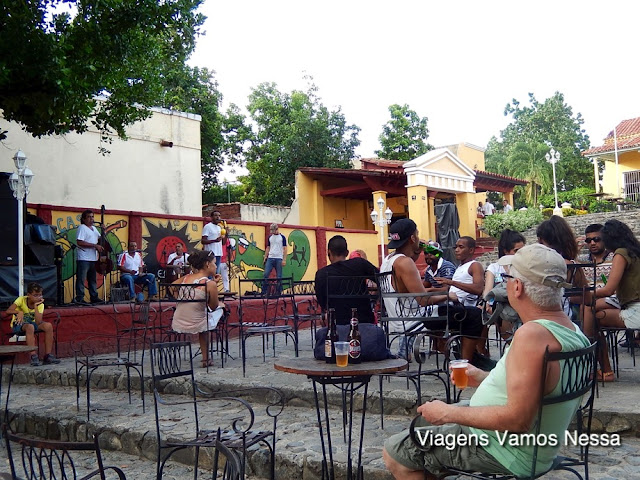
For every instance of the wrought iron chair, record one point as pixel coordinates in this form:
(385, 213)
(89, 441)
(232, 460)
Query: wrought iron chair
(403, 317)
(167, 364)
(129, 342)
(576, 381)
(195, 296)
(47, 459)
(263, 298)
(305, 307)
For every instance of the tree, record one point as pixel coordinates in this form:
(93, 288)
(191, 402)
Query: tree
(551, 124)
(292, 131)
(57, 63)
(525, 161)
(404, 137)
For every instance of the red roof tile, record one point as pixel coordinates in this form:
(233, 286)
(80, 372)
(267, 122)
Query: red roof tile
(628, 136)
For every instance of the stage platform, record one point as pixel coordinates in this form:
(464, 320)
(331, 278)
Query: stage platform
(96, 325)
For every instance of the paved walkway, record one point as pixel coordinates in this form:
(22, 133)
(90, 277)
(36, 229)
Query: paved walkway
(43, 402)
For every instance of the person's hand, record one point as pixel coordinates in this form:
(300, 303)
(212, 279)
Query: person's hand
(217, 277)
(443, 280)
(19, 318)
(284, 262)
(434, 412)
(99, 248)
(474, 374)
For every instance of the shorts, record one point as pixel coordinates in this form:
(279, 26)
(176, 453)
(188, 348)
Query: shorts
(16, 329)
(630, 315)
(435, 458)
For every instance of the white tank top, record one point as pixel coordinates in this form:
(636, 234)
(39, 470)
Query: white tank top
(462, 275)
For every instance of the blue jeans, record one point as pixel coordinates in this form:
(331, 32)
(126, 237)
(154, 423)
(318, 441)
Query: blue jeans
(86, 270)
(268, 267)
(148, 279)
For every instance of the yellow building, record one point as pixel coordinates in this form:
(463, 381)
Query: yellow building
(453, 175)
(621, 156)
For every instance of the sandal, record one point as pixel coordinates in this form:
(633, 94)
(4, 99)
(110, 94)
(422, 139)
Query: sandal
(207, 363)
(605, 377)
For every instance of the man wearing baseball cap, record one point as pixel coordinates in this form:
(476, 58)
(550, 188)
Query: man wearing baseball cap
(437, 266)
(503, 401)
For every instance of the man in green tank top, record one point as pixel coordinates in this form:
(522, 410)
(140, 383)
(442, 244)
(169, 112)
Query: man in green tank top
(482, 437)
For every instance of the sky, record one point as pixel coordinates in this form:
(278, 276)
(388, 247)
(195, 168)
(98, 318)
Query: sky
(456, 62)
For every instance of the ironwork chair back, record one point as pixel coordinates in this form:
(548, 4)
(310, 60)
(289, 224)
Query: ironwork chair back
(577, 380)
(42, 459)
(307, 308)
(350, 291)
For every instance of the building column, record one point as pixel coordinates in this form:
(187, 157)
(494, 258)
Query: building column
(509, 197)
(467, 214)
(431, 228)
(419, 212)
(596, 175)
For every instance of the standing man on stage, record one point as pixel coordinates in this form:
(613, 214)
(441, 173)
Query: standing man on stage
(87, 257)
(132, 267)
(212, 238)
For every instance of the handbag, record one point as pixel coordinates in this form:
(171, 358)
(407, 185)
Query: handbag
(373, 342)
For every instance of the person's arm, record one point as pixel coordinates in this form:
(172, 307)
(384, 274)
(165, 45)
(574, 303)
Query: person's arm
(206, 233)
(13, 310)
(406, 273)
(618, 266)
(321, 289)
(122, 268)
(524, 365)
(81, 242)
(38, 311)
(212, 292)
(489, 281)
(475, 288)
(284, 250)
(266, 252)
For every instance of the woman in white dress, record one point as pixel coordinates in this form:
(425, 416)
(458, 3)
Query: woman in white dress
(191, 315)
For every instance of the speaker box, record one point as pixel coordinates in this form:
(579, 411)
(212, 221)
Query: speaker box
(44, 275)
(9, 222)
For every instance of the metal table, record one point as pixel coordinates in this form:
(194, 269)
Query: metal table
(348, 379)
(8, 353)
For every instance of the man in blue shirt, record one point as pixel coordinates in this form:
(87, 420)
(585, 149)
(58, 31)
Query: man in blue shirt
(437, 266)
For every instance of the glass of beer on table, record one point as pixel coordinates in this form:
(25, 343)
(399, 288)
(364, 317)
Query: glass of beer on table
(342, 354)
(459, 373)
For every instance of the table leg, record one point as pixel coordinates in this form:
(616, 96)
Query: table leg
(348, 386)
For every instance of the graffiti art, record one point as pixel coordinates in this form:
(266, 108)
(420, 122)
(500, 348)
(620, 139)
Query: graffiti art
(161, 241)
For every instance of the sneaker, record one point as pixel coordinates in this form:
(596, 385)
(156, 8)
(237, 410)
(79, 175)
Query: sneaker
(35, 361)
(50, 359)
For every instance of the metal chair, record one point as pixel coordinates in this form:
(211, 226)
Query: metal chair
(404, 317)
(306, 307)
(129, 342)
(168, 363)
(42, 459)
(577, 372)
(263, 298)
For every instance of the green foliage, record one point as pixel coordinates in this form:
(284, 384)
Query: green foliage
(568, 212)
(547, 213)
(292, 131)
(57, 63)
(223, 193)
(404, 137)
(518, 220)
(533, 130)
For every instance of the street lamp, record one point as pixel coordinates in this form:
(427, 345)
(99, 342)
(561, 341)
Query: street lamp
(381, 220)
(20, 183)
(553, 157)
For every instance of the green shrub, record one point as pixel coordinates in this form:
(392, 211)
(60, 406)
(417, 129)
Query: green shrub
(547, 212)
(581, 212)
(568, 212)
(516, 220)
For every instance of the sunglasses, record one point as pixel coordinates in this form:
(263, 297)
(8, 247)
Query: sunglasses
(592, 239)
(506, 276)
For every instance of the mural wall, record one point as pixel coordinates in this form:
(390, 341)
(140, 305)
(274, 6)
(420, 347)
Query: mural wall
(157, 238)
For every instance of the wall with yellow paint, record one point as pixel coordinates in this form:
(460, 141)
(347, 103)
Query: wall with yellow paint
(627, 161)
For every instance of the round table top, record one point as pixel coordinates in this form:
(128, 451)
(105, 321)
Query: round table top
(15, 349)
(319, 368)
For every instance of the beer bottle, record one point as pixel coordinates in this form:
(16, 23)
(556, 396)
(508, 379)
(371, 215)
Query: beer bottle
(331, 338)
(354, 339)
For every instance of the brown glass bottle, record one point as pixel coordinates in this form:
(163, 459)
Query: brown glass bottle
(355, 342)
(331, 338)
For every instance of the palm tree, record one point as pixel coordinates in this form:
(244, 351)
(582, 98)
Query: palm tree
(526, 161)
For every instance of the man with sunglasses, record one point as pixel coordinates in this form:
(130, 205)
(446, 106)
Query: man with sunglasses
(437, 266)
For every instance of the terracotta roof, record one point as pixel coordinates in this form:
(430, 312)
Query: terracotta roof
(628, 136)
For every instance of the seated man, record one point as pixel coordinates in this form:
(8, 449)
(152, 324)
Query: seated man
(437, 266)
(27, 314)
(341, 267)
(132, 268)
(177, 263)
(406, 279)
(504, 400)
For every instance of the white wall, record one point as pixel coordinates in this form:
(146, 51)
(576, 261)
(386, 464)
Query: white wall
(263, 213)
(138, 174)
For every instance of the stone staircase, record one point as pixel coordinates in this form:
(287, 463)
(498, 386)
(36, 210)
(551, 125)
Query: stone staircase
(43, 403)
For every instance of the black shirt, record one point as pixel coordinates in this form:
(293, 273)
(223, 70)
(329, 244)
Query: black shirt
(346, 287)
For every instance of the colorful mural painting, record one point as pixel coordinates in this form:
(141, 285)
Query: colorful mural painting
(160, 237)
(247, 259)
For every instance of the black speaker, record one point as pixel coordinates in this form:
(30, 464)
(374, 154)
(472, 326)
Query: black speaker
(44, 275)
(9, 222)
